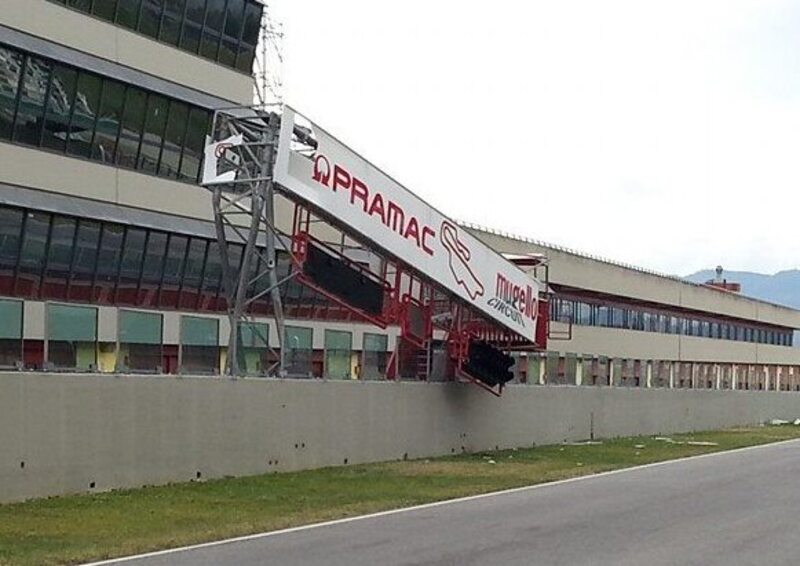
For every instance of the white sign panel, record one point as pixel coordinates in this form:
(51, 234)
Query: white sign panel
(347, 187)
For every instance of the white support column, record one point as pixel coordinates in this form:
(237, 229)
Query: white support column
(717, 377)
(579, 370)
(611, 372)
(672, 375)
(649, 374)
(542, 368)
(734, 377)
(693, 375)
(765, 372)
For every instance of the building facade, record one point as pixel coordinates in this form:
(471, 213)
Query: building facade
(108, 255)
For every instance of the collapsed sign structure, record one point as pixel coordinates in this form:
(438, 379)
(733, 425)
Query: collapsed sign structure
(463, 288)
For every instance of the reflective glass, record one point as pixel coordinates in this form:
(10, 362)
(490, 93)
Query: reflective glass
(173, 265)
(150, 17)
(108, 260)
(33, 253)
(108, 122)
(59, 107)
(130, 135)
(87, 101)
(82, 5)
(59, 256)
(10, 230)
(128, 13)
(10, 73)
(173, 140)
(30, 109)
(155, 123)
(105, 9)
(194, 144)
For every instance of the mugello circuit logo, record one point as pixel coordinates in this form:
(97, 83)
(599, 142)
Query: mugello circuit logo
(459, 256)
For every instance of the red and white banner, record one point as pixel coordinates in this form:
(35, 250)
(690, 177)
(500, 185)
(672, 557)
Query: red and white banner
(371, 204)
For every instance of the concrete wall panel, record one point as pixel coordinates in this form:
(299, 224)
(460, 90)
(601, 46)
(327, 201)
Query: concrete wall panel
(73, 432)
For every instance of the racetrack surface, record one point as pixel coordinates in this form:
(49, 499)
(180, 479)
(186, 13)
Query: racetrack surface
(730, 508)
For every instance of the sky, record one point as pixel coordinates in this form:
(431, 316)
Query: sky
(661, 134)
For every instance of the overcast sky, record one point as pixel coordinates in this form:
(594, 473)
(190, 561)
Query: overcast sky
(663, 134)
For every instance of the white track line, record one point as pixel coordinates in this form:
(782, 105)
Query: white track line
(431, 505)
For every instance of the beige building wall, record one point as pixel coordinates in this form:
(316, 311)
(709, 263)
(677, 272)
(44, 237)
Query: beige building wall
(574, 270)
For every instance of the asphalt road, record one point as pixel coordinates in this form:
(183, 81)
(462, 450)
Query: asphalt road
(728, 509)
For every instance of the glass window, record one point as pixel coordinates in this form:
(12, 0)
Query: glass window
(85, 259)
(10, 72)
(59, 107)
(252, 23)
(299, 348)
(108, 260)
(173, 266)
(87, 101)
(130, 135)
(32, 96)
(338, 350)
(150, 17)
(191, 282)
(131, 265)
(375, 356)
(10, 230)
(254, 340)
(234, 22)
(104, 144)
(215, 16)
(105, 9)
(71, 337)
(193, 25)
(173, 140)
(82, 5)
(140, 338)
(171, 22)
(195, 142)
(59, 257)
(155, 123)
(33, 253)
(128, 13)
(10, 333)
(153, 266)
(199, 345)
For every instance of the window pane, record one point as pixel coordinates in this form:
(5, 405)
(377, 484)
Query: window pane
(32, 256)
(210, 45)
(234, 20)
(59, 107)
(82, 5)
(108, 259)
(196, 11)
(111, 105)
(128, 13)
(155, 122)
(30, 111)
(150, 17)
(252, 23)
(87, 100)
(171, 24)
(105, 9)
(85, 261)
(195, 141)
(173, 266)
(131, 266)
(132, 122)
(244, 59)
(59, 257)
(154, 258)
(10, 73)
(173, 140)
(10, 229)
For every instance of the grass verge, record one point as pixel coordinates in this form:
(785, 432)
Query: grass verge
(73, 529)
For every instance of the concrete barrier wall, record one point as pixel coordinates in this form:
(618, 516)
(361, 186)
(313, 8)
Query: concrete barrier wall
(75, 433)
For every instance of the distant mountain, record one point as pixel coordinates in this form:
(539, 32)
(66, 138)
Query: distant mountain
(782, 288)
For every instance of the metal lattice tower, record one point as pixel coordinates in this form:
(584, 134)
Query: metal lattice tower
(244, 214)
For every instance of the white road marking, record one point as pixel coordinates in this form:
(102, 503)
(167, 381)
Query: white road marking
(428, 505)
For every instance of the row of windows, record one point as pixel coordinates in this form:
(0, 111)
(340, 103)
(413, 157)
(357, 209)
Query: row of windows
(51, 256)
(225, 31)
(62, 108)
(648, 320)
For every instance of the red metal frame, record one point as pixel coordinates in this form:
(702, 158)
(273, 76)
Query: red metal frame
(419, 308)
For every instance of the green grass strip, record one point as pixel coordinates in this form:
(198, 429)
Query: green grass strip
(65, 530)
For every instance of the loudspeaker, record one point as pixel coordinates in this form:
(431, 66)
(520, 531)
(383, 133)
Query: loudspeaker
(489, 364)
